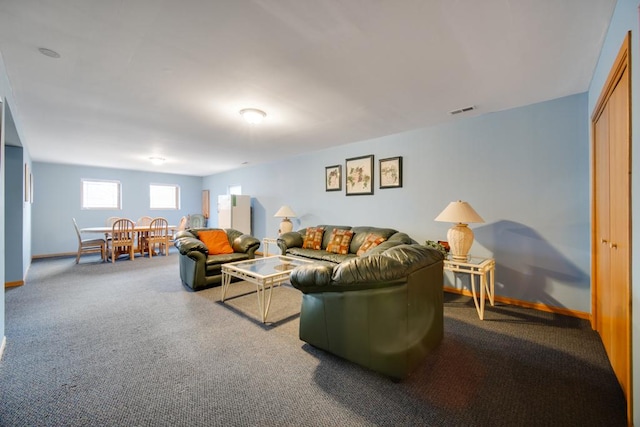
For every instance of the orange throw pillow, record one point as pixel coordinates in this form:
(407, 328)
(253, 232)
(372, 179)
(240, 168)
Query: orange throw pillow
(371, 241)
(340, 241)
(216, 242)
(313, 238)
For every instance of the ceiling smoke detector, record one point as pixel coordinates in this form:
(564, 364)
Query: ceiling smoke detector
(463, 110)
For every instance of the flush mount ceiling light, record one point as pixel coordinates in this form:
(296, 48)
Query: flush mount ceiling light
(48, 52)
(253, 116)
(157, 160)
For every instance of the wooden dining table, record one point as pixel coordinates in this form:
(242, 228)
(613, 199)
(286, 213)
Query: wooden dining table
(139, 231)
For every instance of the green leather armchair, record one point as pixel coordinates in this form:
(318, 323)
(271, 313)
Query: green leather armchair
(383, 311)
(198, 269)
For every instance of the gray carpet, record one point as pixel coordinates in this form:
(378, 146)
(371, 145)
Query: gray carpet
(127, 345)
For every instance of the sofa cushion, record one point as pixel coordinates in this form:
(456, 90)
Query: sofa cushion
(337, 258)
(313, 238)
(214, 262)
(339, 242)
(308, 253)
(216, 242)
(371, 241)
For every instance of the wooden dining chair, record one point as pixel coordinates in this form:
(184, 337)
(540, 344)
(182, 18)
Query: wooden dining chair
(109, 222)
(122, 239)
(182, 225)
(158, 235)
(89, 246)
(143, 221)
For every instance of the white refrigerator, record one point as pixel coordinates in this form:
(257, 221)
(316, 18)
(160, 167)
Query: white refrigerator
(234, 211)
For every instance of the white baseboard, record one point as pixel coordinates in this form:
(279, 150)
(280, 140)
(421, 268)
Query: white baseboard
(2, 345)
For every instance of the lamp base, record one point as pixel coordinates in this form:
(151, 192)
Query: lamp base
(285, 226)
(460, 239)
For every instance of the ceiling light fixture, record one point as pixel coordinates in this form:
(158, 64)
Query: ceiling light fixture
(253, 116)
(48, 52)
(157, 160)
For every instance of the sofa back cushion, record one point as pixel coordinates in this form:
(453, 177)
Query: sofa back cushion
(313, 238)
(216, 242)
(328, 229)
(339, 241)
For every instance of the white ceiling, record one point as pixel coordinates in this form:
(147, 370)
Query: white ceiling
(141, 78)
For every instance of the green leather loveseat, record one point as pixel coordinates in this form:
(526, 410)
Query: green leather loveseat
(198, 269)
(382, 310)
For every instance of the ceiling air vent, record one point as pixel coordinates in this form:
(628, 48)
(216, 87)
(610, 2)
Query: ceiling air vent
(463, 110)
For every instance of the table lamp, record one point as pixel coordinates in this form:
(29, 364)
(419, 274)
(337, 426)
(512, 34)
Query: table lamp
(460, 236)
(285, 213)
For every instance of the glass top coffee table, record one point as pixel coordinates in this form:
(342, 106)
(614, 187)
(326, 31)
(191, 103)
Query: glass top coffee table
(264, 273)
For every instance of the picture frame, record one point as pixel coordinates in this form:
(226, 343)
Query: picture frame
(27, 183)
(333, 178)
(391, 172)
(359, 175)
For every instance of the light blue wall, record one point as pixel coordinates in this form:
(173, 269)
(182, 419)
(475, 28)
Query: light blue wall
(57, 200)
(625, 19)
(15, 250)
(8, 104)
(525, 171)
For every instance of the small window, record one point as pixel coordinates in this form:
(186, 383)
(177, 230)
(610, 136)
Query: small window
(98, 194)
(234, 189)
(164, 196)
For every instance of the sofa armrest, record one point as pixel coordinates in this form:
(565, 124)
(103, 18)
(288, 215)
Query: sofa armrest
(292, 239)
(312, 277)
(246, 243)
(187, 245)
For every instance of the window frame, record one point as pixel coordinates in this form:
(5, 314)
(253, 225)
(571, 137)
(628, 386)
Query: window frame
(93, 180)
(176, 201)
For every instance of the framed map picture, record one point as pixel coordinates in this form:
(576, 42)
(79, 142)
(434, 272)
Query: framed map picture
(359, 178)
(391, 172)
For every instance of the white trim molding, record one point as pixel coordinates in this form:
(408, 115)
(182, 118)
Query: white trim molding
(2, 346)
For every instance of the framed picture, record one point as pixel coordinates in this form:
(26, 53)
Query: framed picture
(359, 179)
(391, 172)
(333, 178)
(27, 183)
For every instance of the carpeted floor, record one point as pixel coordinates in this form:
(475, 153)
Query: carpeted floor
(127, 345)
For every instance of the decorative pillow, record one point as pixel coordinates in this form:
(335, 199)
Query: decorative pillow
(370, 242)
(216, 242)
(313, 238)
(340, 241)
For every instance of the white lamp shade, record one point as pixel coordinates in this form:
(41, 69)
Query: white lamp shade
(285, 212)
(460, 236)
(459, 212)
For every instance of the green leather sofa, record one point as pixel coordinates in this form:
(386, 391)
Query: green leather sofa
(291, 243)
(382, 310)
(198, 269)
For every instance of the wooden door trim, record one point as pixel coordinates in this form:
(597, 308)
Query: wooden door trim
(621, 63)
